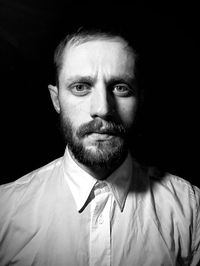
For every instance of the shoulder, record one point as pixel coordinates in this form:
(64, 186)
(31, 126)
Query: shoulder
(12, 193)
(177, 207)
(175, 188)
(41, 173)
(176, 199)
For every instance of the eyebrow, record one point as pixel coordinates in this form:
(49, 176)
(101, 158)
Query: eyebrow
(122, 79)
(77, 79)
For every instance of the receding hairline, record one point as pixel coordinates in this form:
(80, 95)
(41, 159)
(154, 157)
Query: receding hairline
(76, 39)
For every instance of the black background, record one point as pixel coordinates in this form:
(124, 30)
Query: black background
(168, 49)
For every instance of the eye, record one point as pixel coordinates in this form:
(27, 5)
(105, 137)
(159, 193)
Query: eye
(80, 89)
(122, 90)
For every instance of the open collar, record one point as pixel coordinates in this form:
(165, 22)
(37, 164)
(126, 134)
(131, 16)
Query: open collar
(82, 183)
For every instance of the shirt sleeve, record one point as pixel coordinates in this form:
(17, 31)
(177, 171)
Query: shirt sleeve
(195, 260)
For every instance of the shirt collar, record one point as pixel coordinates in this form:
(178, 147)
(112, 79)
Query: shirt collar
(119, 181)
(81, 183)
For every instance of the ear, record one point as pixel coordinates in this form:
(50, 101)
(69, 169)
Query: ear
(54, 97)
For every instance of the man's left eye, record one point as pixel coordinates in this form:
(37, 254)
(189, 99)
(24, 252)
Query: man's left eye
(122, 90)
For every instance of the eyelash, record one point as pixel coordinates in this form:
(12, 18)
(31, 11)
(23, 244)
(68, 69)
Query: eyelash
(128, 91)
(80, 93)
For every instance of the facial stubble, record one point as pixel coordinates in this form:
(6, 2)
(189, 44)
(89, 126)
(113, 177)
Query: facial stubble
(101, 154)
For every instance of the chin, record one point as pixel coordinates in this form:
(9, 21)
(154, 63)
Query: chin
(105, 154)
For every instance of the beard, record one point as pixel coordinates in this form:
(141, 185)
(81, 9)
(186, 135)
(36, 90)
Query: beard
(106, 153)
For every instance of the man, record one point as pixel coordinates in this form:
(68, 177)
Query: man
(96, 205)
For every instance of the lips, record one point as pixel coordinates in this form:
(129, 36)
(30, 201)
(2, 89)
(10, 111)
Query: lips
(104, 132)
(100, 136)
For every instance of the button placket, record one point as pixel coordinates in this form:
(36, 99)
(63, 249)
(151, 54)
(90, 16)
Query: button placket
(100, 227)
(100, 219)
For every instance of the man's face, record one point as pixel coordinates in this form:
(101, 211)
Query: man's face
(96, 100)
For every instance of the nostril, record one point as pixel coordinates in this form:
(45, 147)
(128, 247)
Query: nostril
(100, 108)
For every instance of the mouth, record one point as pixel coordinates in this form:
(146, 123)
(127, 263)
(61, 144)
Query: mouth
(100, 136)
(103, 132)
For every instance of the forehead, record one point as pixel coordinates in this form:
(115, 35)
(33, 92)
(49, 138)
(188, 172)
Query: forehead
(111, 56)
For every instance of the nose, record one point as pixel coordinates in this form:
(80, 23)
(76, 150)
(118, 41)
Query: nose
(101, 104)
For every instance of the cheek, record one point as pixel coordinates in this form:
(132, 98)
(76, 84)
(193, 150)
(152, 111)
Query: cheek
(75, 111)
(127, 110)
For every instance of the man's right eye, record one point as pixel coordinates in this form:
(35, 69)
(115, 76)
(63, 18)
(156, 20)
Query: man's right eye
(80, 89)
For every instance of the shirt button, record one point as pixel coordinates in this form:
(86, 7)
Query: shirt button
(100, 220)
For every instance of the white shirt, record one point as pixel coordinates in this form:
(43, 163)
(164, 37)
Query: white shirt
(59, 215)
(104, 195)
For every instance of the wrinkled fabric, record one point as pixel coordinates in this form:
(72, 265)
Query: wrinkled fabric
(59, 215)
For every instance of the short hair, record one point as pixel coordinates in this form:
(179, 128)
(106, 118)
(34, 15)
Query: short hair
(82, 36)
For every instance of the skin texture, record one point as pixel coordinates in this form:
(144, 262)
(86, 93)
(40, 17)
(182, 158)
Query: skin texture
(96, 83)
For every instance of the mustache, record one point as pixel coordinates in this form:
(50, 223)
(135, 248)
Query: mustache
(102, 127)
